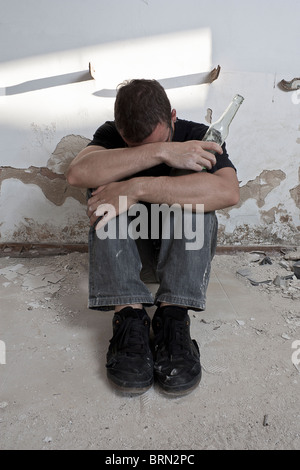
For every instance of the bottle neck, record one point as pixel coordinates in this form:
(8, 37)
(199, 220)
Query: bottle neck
(230, 112)
(218, 131)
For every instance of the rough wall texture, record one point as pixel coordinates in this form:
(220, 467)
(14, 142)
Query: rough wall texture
(47, 93)
(276, 224)
(51, 210)
(59, 216)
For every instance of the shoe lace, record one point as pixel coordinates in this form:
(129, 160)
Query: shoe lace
(176, 337)
(130, 336)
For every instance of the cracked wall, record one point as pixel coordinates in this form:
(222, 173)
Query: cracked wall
(51, 211)
(37, 205)
(46, 119)
(271, 225)
(43, 207)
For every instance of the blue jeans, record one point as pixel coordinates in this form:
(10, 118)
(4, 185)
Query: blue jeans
(119, 268)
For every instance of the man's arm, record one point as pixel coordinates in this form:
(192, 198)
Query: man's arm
(95, 166)
(215, 191)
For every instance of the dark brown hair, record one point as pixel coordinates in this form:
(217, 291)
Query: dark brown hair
(139, 107)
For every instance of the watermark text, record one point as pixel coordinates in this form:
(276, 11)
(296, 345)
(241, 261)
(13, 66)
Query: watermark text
(296, 354)
(2, 353)
(163, 222)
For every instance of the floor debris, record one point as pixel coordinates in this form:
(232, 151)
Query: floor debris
(53, 388)
(267, 272)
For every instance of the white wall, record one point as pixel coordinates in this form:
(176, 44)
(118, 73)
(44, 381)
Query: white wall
(43, 112)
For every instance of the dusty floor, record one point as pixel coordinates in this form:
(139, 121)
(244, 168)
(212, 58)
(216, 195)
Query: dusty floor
(53, 388)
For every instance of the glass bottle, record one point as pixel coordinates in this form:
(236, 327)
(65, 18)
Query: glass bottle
(219, 130)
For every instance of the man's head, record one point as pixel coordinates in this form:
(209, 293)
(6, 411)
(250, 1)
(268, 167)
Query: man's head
(142, 108)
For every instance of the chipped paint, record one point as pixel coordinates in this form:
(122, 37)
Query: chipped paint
(65, 151)
(35, 219)
(295, 192)
(51, 211)
(53, 185)
(252, 221)
(261, 186)
(51, 179)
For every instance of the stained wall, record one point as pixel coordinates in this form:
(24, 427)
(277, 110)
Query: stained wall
(51, 106)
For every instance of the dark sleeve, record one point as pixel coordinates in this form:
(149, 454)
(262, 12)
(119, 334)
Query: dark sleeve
(107, 136)
(223, 161)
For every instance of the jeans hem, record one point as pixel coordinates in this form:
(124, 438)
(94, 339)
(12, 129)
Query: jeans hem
(184, 301)
(110, 303)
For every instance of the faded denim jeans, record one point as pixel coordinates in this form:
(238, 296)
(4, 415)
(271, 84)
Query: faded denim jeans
(120, 268)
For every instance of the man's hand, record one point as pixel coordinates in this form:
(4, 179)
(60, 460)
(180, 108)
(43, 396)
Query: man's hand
(105, 202)
(191, 155)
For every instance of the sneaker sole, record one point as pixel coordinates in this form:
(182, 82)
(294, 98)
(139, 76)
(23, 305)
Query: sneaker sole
(180, 390)
(125, 387)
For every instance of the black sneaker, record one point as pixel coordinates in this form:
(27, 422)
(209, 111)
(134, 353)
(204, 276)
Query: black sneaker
(177, 366)
(129, 358)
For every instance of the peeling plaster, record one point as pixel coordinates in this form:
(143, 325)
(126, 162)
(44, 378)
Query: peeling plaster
(248, 223)
(53, 185)
(295, 192)
(32, 218)
(43, 207)
(277, 214)
(259, 188)
(51, 179)
(65, 151)
(50, 210)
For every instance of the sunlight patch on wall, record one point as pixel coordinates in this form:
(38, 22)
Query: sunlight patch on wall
(39, 85)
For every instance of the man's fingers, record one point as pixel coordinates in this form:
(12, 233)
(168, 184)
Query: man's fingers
(92, 205)
(212, 146)
(209, 158)
(102, 209)
(94, 200)
(95, 213)
(107, 216)
(98, 190)
(104, 212)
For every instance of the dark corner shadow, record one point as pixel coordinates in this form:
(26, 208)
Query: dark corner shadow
(48, 82)
(173, 82)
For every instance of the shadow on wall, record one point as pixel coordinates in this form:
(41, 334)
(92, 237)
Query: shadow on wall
(83, 76)
(49, 82)
(46, 187)
(173, 82)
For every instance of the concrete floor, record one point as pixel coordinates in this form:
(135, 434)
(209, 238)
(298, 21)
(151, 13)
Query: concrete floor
(53, 388)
